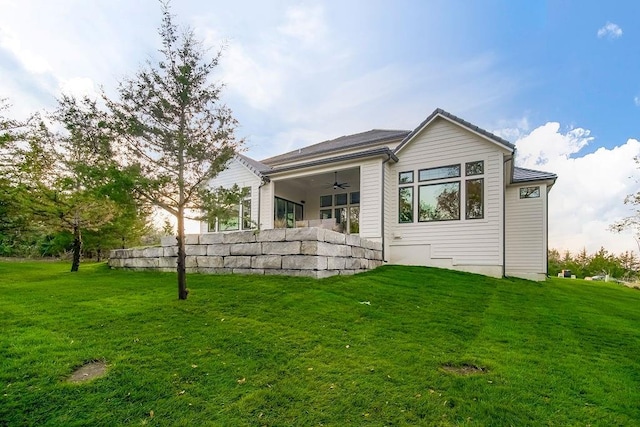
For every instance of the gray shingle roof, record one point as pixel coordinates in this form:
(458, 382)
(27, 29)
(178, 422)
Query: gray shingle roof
(255, 166)
(440, 111)
(526, 175)
(348, 141)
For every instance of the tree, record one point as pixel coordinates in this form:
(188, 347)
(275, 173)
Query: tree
(20, 232)
(632, 222)
(175, 130)
(65, 170)
(7, 125)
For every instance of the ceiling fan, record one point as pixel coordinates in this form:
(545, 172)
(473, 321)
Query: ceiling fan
(336, 184)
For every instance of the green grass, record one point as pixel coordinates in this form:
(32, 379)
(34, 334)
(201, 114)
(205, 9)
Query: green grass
(280, 351)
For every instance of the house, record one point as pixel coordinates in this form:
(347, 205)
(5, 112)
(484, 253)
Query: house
(446, 194)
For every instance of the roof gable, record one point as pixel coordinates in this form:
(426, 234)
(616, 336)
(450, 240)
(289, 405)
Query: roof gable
(254, 166)
(440, 113)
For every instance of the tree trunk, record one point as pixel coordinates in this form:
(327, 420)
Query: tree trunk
(99, 253)
(182, 271)
(77, 247)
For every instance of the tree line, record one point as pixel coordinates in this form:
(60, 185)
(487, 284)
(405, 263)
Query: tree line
(625, 266)
(85, 177)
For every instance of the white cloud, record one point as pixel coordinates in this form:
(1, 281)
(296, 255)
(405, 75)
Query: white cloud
(636, 100)
(79, 87)
(589, 193)
(305, 23)
(31, 61)
(257, 82)
(610, 30)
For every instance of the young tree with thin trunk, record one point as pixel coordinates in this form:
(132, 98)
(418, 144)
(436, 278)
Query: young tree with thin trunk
(175, 130)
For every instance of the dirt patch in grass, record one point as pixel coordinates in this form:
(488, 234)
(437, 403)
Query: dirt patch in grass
(463, 369)
(88, 371)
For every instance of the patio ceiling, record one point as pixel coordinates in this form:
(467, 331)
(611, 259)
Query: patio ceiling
(325, 180)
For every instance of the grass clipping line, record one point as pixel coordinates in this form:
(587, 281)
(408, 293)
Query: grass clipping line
(88, 371)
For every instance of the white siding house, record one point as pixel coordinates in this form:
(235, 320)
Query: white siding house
(446, 194)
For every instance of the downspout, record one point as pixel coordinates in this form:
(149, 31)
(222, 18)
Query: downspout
(504, 213)
(546, 232)
(263, 181)
(382, 216)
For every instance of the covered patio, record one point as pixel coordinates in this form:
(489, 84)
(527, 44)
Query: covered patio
(329, 198)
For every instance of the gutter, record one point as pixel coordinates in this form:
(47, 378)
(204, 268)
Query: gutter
(371, 153)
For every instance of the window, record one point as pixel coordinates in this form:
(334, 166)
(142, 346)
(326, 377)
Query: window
(405, 177)
(239, 214)
(343, 207)
(439, 202)
(474, 198)
(246, 215)
(405, 207)
(287, 213)
(354, 219)
(431, 174)
(340, 214)
(326, 201)
(232, 222)
(354, 198)
(474, 168)
(529, 192)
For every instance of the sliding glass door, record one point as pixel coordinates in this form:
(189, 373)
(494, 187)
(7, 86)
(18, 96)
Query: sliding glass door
(287, 213)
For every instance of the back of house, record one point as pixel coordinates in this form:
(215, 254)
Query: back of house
(446, 194)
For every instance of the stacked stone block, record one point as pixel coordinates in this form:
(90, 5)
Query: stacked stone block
(312, 252)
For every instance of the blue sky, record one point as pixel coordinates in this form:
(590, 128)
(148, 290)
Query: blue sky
(560, 79)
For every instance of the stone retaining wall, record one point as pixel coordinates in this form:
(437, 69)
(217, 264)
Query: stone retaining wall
(313, 252)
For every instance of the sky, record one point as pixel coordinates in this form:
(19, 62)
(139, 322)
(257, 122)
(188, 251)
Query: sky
(559, 79)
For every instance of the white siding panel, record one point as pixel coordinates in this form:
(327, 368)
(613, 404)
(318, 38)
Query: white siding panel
(267, 206)
(371, 199)
(461, 243)
(526, 233)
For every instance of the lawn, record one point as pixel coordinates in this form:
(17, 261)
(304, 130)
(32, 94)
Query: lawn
(395, 346)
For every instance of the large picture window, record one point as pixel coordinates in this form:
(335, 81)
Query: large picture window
(439, 202)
